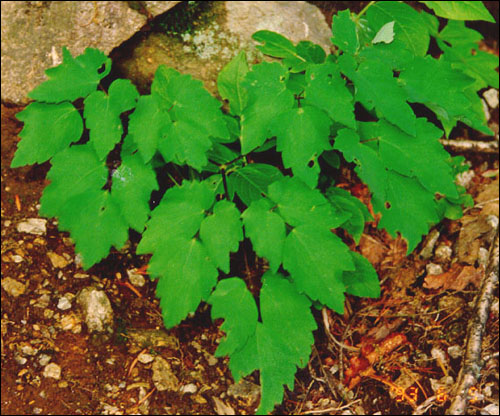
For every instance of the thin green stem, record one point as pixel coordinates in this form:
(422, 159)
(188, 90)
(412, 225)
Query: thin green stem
(362, 12)
(224, 181)
(173, 179)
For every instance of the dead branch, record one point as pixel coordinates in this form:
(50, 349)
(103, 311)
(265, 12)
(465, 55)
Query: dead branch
(471, 146)
(472, 363)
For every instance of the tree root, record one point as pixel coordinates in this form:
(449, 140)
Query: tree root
(472, 363)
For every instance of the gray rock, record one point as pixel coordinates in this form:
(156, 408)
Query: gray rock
(52, 370)
(36, 226)
(433, 269)
(34, 32)
(96, 308)
(163, 377)
(13, 287)
(491, 97)
(204, 53)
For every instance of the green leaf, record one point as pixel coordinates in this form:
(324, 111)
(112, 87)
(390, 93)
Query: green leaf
(315, 259)
(148, 112)
(186, 276)
(232, 301)
(410, 29)
(221, 233)
(179, 259)
(229, 83)
(183, 97)
(295, 58)
(444, 90)
(77, 177)
(102, 114)
(268, 96)
(274, 44)
(298, 204)
(266, 230)
(376, 87)
(396, 206)
(282, 342)
(302, 136)
(398, 151)
(179, 214)
(48, 129)
(465, 55)
(345, 36)
(96, 228)
(251, 181)
(327, 91)
(343, 201)
(460, 10)
(370, 167)
(184, 143)
(133, 182)
(74, 78)
(385, 34)
(363, 281)
(74, 171)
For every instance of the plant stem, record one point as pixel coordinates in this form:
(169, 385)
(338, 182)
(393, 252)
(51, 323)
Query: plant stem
(362, 12)
(224, 181)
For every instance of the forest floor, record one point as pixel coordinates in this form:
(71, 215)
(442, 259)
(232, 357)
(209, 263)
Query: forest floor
(392, 354)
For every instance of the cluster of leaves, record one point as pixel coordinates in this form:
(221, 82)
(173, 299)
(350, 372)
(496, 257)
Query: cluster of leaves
(300, 107)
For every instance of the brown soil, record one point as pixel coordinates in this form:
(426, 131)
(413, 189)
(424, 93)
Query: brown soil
(101, 375)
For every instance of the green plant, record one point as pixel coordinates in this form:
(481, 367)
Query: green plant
(300, 110)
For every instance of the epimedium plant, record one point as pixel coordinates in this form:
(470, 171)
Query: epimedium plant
(306, 110)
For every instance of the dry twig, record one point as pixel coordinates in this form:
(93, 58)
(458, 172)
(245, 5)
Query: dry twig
(472, 364)
(471, 146)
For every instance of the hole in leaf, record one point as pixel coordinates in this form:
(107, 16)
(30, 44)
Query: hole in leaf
(387, 205)
(332, 142)
(311, 163)
(101, 69)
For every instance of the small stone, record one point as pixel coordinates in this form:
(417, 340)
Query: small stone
(464, 178)
(44, 359)
(443, 253)
(42, 302)
(16, 258)
(37, 411)
(64, 304)
(48, 313)
(145, 358)
(28, 350)
(52, 371)
(163, 377)
(433, 269)
(13, 287)
(491, 97)
(189, 388)
(97, 310)
(20, 360)
(80, 275)
(244, 390)
(71, 323)
(59, 262)
(135, 278)
(36, 226)
(211, 360)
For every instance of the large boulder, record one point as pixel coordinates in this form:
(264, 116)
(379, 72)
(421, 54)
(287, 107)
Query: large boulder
(34, 32)
(228, 29)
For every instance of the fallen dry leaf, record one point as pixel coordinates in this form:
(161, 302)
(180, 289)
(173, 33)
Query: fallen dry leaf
(457, 278)
(222, 408)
